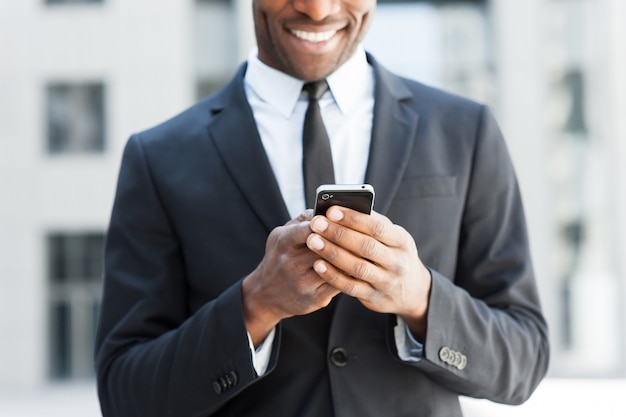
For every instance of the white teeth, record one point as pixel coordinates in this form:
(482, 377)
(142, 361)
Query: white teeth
(314, 36)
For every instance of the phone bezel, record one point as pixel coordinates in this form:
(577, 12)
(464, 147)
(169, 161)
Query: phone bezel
(359, 197)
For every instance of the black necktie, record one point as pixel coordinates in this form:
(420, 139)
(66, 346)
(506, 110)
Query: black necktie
(317, 161)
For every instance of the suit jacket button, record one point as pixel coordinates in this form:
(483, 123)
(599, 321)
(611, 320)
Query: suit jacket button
(217, 387)
(232, 378)
(339, 357)
(444, 354)
(463, 363)
(455, 360)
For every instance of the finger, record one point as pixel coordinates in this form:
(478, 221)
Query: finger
(314, 291)
(353, 264)
(339, 281)
(298, 229)
(325, 292)
(360, 244)
(375, 224)
(305, 216)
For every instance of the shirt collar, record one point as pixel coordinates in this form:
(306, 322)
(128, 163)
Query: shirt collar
(350, 84)
(353, 82)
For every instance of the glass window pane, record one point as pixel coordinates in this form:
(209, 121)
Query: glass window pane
(56, 260)
(92, 258)
(60, 347)
(75, 276)
(75, 257)
(76, 119)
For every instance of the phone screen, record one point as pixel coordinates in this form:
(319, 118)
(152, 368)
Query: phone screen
(357, 197)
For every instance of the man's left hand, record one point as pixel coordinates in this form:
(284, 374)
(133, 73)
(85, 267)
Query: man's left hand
(370, 258)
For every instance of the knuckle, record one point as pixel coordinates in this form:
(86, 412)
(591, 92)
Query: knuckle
(378, 230)
(331, 254)
(339, 234)
(396, 268)
(403, 266)
(274, 235)
(361, 270)
(332, 279)
(349, 289)
(369, 248)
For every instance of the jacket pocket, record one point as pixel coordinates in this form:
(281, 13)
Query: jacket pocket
(427, 187)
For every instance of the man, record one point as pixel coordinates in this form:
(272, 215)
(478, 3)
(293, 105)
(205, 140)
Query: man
(217, 304)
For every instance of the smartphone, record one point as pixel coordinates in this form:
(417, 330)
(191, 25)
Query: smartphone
(359, 197)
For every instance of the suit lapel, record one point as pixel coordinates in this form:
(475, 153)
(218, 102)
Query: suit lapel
(237, 140)
(393, 134)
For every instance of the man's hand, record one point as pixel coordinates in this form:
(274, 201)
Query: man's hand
(370, 258)
(284, 284)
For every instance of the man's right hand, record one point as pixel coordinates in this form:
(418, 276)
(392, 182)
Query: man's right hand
(284, 284)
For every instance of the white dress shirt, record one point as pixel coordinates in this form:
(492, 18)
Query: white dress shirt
(347, 108)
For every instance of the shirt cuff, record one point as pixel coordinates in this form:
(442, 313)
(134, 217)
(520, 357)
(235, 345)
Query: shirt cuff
(409, 349)
(261, 355)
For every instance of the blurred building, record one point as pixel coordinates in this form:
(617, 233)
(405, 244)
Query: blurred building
(77, 77)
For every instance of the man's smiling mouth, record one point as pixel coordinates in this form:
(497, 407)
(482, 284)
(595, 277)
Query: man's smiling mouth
(314, 37)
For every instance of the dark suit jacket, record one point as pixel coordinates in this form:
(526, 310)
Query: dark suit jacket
(195, 202)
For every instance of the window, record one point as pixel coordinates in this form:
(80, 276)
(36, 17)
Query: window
(72, 1)
(76, 118)
(75, 283)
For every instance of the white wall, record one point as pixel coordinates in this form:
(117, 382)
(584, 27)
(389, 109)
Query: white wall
(521, 112)
(616, 68)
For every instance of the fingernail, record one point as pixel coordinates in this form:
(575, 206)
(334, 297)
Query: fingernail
(319, 225)
(316, 243)
(320, 267)
(334, 214)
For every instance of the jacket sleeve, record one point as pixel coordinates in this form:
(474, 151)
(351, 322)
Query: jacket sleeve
(486, 335)
(153, 357)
